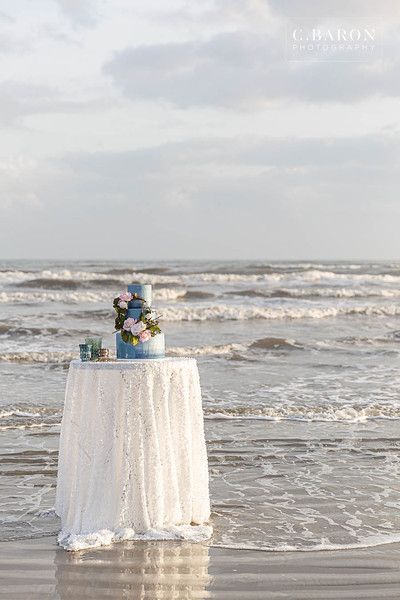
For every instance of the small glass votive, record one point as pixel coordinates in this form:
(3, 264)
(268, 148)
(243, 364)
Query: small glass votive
(104, 354)
(95, 342)
(85, 352)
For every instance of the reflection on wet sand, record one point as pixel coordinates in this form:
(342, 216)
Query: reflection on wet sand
(140, 570)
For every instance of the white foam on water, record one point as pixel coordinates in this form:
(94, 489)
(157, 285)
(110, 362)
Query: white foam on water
(324, 545)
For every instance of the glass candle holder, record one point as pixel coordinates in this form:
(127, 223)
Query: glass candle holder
(95, 342)
(85, 352)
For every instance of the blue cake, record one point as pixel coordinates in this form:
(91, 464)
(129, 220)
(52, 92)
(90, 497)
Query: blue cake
(154, 347)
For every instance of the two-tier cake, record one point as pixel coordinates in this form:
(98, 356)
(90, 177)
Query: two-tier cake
(138, 333)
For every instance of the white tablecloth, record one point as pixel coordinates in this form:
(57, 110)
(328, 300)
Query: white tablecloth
(132, 461)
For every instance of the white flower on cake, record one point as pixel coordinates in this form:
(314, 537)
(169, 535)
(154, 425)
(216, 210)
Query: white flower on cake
(137, 328)
(125, 297)
(128, 323)
(151, 316)
(122, 304)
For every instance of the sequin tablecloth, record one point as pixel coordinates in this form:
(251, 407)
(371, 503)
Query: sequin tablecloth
(132, 460)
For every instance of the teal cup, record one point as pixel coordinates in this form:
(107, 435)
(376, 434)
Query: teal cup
(85, 352)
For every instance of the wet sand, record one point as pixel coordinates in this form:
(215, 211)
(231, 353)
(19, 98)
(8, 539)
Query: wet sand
(38, 569)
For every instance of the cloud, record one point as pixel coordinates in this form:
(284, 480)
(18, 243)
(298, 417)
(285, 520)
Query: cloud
(18, 100)
(5, 18)
(341, 8)
(19, 179)
(81, 13)
(243, 70)
(208, 197)
(251, 151)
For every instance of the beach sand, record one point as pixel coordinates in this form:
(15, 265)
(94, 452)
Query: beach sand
(38, 569)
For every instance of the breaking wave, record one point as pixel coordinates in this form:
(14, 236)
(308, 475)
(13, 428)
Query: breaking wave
(160, 275)
(341, 413)
(318, 292)
(9, 330)
(38, 357)
(218, 350)
(21, 417)
(225, 312)
(69, 284)
(82, 296)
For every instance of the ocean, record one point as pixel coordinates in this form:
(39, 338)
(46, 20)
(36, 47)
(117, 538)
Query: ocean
(299, 365)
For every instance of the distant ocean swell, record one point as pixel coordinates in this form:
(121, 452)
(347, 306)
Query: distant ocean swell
(155, 276)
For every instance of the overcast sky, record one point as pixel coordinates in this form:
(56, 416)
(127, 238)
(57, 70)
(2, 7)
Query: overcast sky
(179, 129)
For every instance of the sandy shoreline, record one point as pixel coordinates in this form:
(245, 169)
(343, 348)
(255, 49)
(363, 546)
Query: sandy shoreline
(38, 569)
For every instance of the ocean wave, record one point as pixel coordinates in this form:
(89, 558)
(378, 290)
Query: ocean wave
(17, 412)
(269, 343)
(13, 331)
(318, 292)
(69, 284)
(27, 417)
(341, 413)
(198, 295)
(169, 293)
(224, 274)
(38, 357)
(131, 270)
(390, 338)
(9, 330)
(225, 312)
(218, 350)
(82, 296)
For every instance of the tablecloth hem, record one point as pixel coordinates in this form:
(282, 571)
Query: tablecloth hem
(104, 537)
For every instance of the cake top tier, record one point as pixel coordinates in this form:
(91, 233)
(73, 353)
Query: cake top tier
(143, 291)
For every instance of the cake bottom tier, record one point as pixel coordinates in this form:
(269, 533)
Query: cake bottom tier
(153, 348)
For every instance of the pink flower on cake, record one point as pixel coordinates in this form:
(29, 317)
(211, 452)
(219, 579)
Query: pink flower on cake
(125, 296)
(137, 328)
(128, 323)
(122, 304)
(144, 336)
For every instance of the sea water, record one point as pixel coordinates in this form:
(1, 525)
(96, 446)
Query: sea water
(299, 364)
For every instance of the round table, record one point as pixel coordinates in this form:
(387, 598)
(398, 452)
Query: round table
(132, 459)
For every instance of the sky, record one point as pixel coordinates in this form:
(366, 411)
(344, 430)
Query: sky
(183, 129)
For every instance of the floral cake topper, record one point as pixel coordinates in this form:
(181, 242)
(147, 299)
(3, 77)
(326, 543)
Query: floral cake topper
(134, 331)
